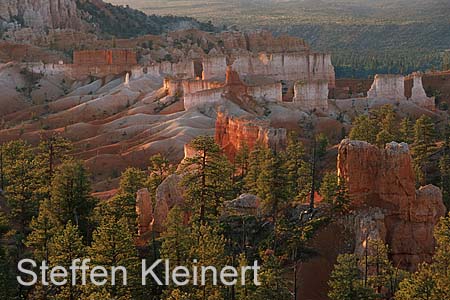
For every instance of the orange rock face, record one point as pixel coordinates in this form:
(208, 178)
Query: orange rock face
(232, 133)
(383, 179)
(144, 211)
(104, 57)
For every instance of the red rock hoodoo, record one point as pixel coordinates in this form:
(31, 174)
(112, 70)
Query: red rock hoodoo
(383, 180)
(232, 133)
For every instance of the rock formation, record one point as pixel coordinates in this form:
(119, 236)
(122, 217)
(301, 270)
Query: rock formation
(144, 211)
(214, 67)
(245, 204)
(105, 57)
(168, 194)
(416, 93)
(391, 87)
(232, 133)
(310, 95)
(286, 66)
(381, 186)
(40, 14)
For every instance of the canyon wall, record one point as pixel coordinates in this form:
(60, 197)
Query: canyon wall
(270, 92)
(202, 97)
(232, 133)
(311, 95)
(383, 180)
(41, 14)
(214, 67)
(390, 87)
(287, 66)
(104, 57)
(193, 86)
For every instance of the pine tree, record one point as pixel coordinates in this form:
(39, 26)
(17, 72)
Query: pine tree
(329, 187)
(406, 131)
(382, 274)
(423, 146)
(388, 130)
(21, 183)
(444, 167)
(123, 204)
(8, 282)
(334, 192)
(271, 184)
(66, 246)
(420, 286)
(70, 196)
(112, 246)
(207, 178)
(209, 250)
(322, 144)
(176, 239)
(364, 129)
(53, 150)
(131, 181)
(346, 281)
(441, 259)
(273, 284)
(298, 170)
(241, 166)
(44, 227)
(256, 159)
(159, 169)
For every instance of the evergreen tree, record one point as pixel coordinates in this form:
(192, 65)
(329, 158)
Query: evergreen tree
(65, 247)
(388, 130)
(271, 184)
(241, 166)
(209, 250)
(8, 282)
(43, 227)
(159, 169)
(21, 183)
(364, 129)
(112, 246)
(444, 167)
(423, 146)
(131, 181)
(431, 281)
(123, 204)
(346, 281)
(322, 144)
(207, 178)
(334, 191)
(298, 170)
(420, 286)
(176, 239)
(406, 131)
(273, 284)
(256, 159)
(441, 259)
(382, 275)
(53, 150)
(70, 196)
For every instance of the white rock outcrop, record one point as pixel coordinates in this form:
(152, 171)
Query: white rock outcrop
(418, 95)
(310, 95)
(391, 87)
